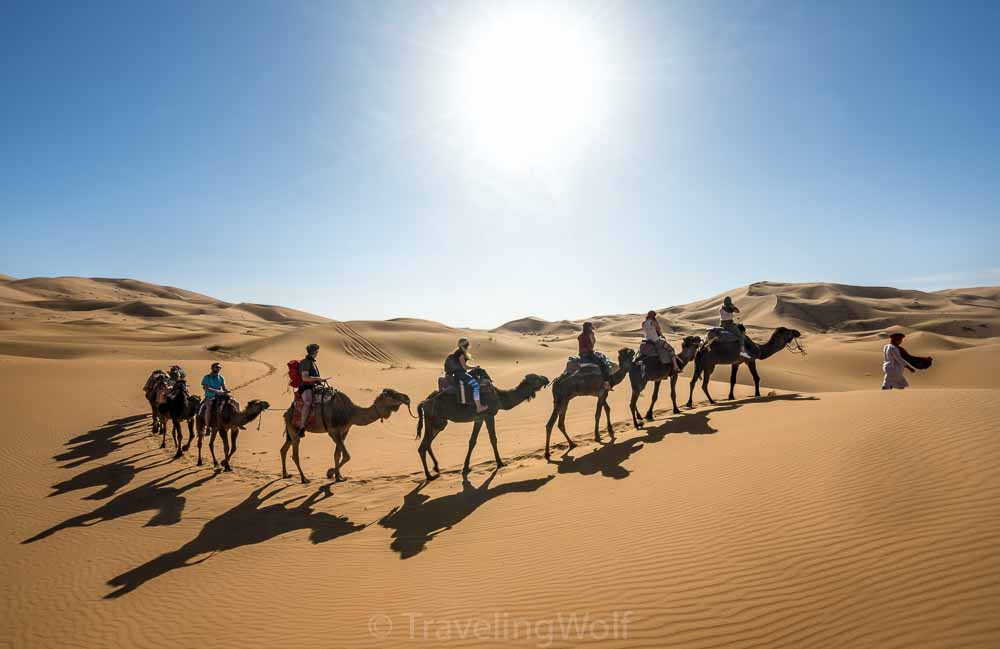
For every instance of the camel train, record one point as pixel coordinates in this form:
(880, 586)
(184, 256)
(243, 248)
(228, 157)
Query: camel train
(465, 394)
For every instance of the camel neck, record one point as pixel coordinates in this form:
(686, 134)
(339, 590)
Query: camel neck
(366, 416)
(687, 353)
(511, 398)
(770, 348)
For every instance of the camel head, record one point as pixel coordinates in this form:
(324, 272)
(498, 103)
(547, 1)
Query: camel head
(625, 357)
(255, 407)
(533, 383)
(391, 400)
(789, 338)
(691, 342)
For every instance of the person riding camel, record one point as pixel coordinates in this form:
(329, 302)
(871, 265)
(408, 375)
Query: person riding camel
(178, 378)
(214, 385)
(652, 333)
(727, 323)
(311, 379)
(586, 340)
(457, 364)
(177, 373)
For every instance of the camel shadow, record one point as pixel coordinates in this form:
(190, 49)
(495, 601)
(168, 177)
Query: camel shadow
(100, 442)
(697, 422)
(159, 496)
(110, 477)
(420, 518)
(250, 522)
(608, 459)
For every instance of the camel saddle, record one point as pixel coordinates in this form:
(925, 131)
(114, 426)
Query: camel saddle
(448, 384)
(720, 334)
(647, 349)
(320, 398)
(575, 366)
(216, 406)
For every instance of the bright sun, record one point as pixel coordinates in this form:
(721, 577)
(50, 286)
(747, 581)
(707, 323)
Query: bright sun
(529, 89)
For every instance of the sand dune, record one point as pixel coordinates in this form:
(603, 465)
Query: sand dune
(826, 513)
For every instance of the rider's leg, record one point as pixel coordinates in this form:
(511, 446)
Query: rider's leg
(307, 398)
(474, 384)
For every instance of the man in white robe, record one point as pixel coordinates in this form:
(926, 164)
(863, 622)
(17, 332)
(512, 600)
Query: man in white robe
(893, 364)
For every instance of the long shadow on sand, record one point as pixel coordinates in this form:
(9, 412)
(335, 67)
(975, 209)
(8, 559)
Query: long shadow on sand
(421, 518)
(101, 442)
(248, 523)
(161, 496)
(110, 477)
(608, 459)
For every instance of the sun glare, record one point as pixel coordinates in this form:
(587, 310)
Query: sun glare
(529, 91)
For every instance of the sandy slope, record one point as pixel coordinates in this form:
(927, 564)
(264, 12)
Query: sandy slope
(826, 514)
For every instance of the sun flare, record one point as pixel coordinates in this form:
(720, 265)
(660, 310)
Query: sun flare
(529, 90)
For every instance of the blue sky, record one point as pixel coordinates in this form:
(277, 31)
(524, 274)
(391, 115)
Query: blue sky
(476, 162)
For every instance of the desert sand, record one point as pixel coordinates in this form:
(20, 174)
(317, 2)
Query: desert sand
(826, 513)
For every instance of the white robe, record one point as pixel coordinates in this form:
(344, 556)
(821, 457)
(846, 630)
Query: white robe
(893, 367)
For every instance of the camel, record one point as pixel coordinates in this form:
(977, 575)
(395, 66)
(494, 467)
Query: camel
(177, 406)
(441, 407)
(585, 384)
(335, 416)
(656, 372)
(227, 420)
(727, 352)
(156, 380)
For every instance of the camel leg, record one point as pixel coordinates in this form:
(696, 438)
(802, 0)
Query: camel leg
(704, 383)
(732, 380)
(430, 448)
(178, 436)
(335, 471)
(187, 445)
(295, 456)
(224, 435)
(201, 436)
(673, 393)
(652, 402)
(425, 448)
(694, 379)
(476, 427)
(232, 452)
(345, 455)
(339, 451)
(633, 407)
(562, 424)
(163, 431)
(607, 415)
(284, 453)
(211, 445)
(756, 377)
(548, 426)
(597, 420)
(491, 428)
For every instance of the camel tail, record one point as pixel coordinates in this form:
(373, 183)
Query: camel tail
(420, 419)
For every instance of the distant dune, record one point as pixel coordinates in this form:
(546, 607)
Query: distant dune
(534, 325)
(819, 308)
(826, 513)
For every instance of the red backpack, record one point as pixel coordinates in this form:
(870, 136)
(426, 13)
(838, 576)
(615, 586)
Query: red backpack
(294, 375)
